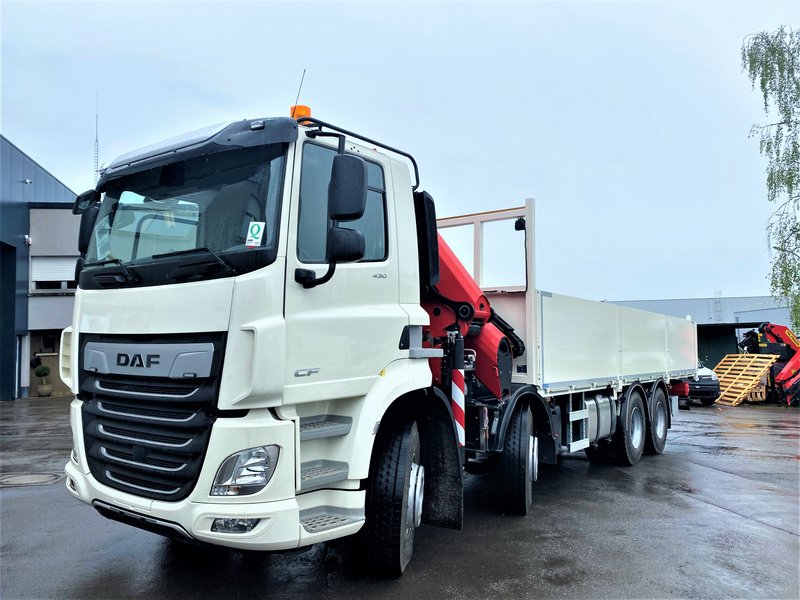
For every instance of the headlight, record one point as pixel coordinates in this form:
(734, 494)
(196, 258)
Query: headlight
(246, 472)
(713, 376)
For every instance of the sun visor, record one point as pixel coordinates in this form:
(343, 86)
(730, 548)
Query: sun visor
(210, 140)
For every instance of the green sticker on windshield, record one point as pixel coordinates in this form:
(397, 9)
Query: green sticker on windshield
(255, 231)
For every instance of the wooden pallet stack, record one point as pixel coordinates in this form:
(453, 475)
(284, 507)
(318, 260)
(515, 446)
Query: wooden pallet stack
(740, 374)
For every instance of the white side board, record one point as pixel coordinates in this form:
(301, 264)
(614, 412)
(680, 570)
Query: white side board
(572, 344)
(588, 345)
(583, 345)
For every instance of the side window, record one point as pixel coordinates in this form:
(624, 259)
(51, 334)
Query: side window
(313, 219)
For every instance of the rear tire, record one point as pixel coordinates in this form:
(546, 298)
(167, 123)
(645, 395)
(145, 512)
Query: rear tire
(394, 500)
(627, 444)
(707, 401)
(519, 463)
(657, 429)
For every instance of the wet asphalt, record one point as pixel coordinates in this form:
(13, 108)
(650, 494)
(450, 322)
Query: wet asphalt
(716, 516)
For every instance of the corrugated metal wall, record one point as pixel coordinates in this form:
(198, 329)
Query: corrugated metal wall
(16, 196)
(707, 311)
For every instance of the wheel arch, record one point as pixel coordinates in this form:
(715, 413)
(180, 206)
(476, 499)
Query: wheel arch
(547, 423)
(623, 406)
(442, 457)
(650, 398)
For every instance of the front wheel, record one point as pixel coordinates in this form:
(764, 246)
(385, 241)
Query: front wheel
(394, 500)
(519, 463)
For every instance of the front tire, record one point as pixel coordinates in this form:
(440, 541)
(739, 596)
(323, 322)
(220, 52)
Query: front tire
(394, 500)
(519, 463)
(627, 444)
(656, 437)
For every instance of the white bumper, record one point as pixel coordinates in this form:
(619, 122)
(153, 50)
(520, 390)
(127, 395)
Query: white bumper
(276, 505)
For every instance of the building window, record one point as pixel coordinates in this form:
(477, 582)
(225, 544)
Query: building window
(53, 274)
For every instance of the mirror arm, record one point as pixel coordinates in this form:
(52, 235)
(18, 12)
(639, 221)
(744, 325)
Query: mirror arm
(308, 278)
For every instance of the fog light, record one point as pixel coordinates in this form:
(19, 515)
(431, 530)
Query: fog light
(234, 525)
(245, 472)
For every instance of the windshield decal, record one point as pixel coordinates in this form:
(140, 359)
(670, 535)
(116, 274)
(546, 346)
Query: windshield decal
(103, 238)
(255, 231)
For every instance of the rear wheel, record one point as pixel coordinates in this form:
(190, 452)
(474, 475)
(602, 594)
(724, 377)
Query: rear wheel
(627, 444)
(394, 500)
(707, 401)
(519, 463)
(657, 428)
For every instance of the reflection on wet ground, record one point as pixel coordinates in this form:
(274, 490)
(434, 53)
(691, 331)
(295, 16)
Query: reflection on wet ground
(715, 516)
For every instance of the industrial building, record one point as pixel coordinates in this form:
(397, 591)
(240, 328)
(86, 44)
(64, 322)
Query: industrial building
(38, 250)
(720, 321)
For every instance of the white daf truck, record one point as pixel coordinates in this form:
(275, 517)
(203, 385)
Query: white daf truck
(272, 347)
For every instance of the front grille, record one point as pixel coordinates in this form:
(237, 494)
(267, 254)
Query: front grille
(145, 436)
(142, 484)
(129, 458)
(156, 413)
(148, 436)
(157, 390)
(150, 451)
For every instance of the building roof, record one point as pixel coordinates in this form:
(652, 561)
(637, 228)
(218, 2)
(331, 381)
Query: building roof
(718, 310)
(17, 168)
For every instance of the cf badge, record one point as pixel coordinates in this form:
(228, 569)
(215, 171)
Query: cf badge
(305, 372)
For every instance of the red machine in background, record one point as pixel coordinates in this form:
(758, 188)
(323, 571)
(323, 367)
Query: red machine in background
(783, 379)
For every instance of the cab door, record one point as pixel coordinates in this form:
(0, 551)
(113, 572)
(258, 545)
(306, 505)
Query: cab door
(341, 334)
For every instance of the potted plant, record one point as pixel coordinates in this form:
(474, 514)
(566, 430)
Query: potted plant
(44, 390)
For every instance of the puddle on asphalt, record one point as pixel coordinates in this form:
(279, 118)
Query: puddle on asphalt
(25, 479)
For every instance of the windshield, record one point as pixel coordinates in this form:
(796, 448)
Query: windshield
(227, 202)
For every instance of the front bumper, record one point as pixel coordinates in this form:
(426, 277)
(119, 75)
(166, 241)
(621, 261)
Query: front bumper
(276, 505)
(704, 389)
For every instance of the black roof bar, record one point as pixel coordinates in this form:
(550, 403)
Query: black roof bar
(321, 124)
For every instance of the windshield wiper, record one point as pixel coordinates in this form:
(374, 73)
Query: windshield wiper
(227, 267)
(129, 276)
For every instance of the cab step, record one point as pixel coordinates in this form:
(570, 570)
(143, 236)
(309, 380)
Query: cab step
(324, 426)
(323, 518)
(319, 473)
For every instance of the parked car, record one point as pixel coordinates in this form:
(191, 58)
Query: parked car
(704, 387)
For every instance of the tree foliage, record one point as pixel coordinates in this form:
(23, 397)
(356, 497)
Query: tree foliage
(772, 60)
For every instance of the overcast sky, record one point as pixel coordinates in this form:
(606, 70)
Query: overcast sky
(627, 121)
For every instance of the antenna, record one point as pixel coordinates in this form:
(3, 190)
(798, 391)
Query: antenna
(97, 137)
(297, 99)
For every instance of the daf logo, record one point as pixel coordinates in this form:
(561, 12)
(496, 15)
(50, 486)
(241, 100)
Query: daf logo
(305, 372)
(144, 361)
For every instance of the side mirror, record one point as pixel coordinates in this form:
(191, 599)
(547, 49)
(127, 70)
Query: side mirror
(347, 191)
(344, 245)
(84, 201)
(88, 219)
(347, 200)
